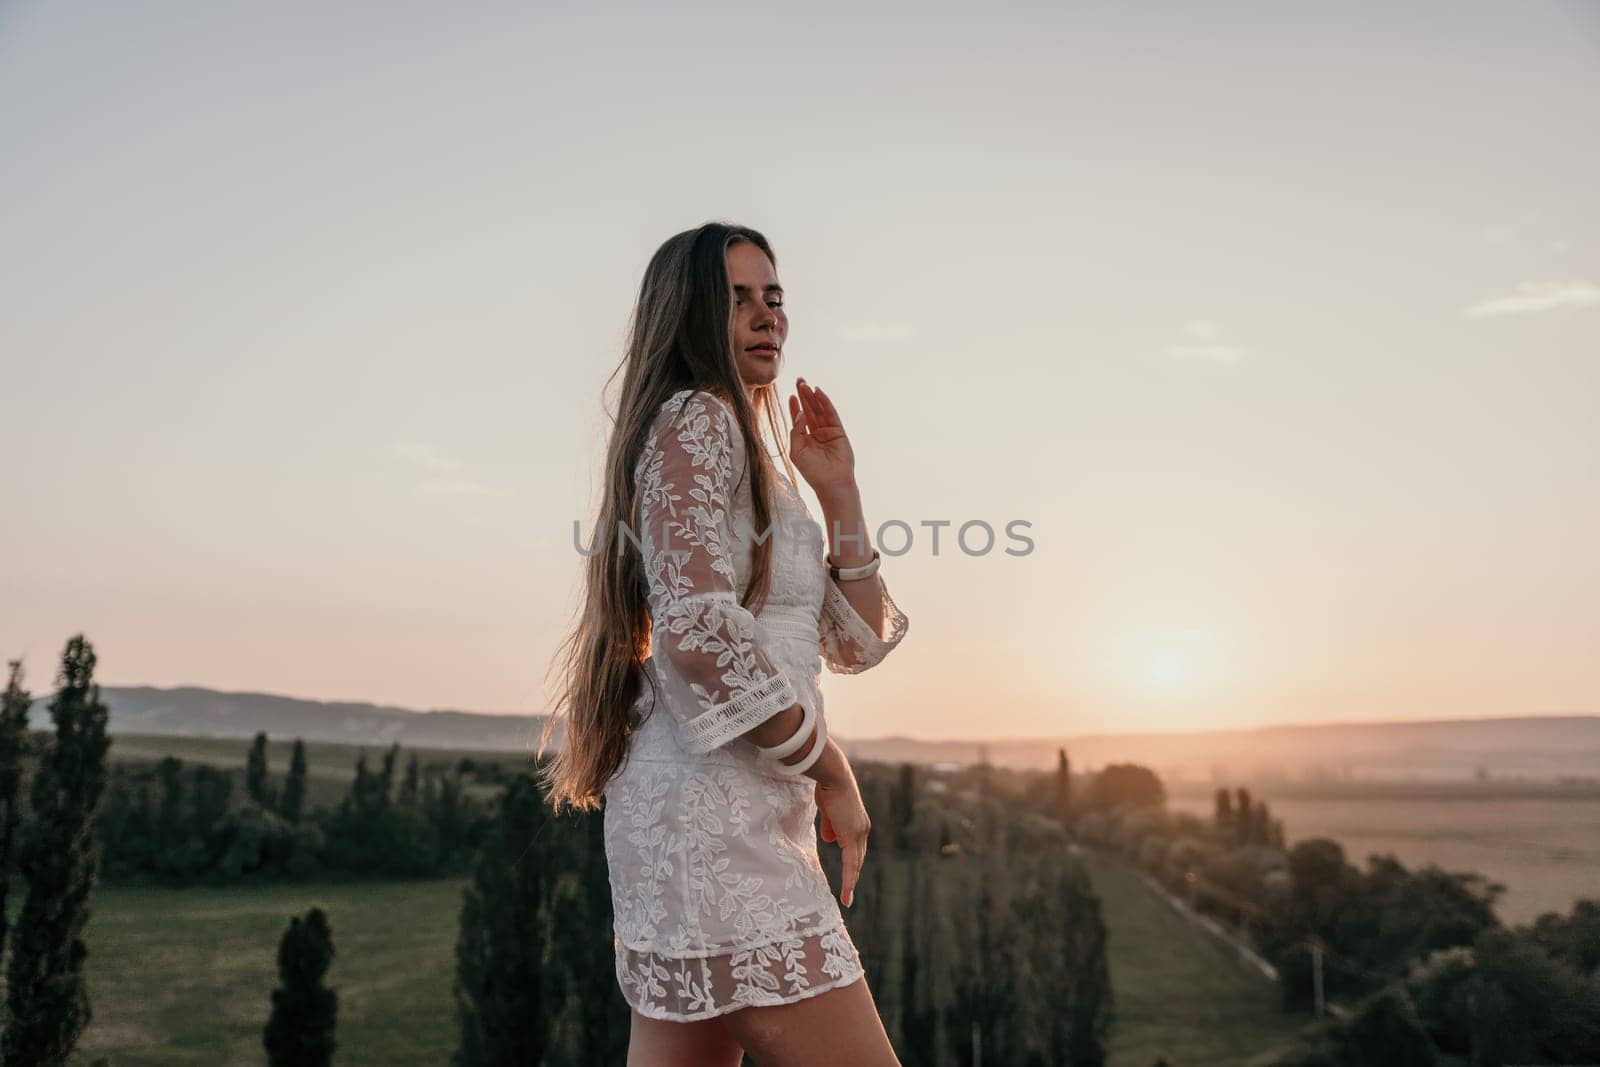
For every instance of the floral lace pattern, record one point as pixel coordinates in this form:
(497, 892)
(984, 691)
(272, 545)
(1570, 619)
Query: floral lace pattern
(719, 898)
(700, 987)
(684, 490)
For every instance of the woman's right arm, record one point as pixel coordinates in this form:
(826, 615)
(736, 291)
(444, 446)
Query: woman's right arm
(725, 685)
(830, 766)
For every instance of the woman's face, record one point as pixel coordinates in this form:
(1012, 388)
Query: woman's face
(758, 315)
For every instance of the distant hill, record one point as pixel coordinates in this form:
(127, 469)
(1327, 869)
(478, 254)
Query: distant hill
(1533, 748)
(191, 711)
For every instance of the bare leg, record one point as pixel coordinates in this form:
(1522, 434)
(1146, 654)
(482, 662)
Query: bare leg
(840, 1026)
(663, 1043)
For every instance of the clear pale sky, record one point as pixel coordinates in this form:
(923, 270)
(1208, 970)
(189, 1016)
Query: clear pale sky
(1280, 327)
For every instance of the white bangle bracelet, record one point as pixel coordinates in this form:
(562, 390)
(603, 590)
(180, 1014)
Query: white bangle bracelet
(811, 757)
(851, 574)
(792, 743)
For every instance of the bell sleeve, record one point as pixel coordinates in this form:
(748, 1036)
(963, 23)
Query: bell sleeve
(849, 645)
(721, 682)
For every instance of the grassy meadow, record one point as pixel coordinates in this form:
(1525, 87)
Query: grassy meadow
(1180, 996)
(185, 976)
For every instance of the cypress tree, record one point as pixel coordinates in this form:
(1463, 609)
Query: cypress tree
(13, 739)
(1223, 817)
(607, 1021)
(1035, 954)
(903, 806)
(294, 786)
(169, 817)
(1261, 824)
(47, 1001)
(983, 998)
(212, 788)
(1063, 785)
(928, 974)
(589, 1023)
(910, 1013)
(500, 951)
(409, 791)
(300, 1031)
(386, 778)
(449, 815)
(869, 918)
(1092, 1002)
(257, 783)
(361, 802)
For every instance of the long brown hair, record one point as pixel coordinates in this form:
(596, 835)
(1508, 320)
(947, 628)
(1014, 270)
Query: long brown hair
(680, 336)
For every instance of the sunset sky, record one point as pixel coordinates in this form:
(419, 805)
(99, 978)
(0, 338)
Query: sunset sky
(1280, 326)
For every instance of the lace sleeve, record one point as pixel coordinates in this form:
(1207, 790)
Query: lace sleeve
(687, 474)
(849, 645)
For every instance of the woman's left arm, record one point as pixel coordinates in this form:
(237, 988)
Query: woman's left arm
(861, 624)
(848, 546)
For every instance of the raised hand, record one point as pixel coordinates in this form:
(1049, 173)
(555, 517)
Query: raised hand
(818, 445)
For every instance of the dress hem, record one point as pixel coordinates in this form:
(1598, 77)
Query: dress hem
(825, 926)
(724, 1009)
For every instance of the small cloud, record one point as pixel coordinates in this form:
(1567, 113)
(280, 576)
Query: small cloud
(1213, 353)
(425, 456)
(875, 331)
(429, 458)
(1538, 296)
(1203, 342)
(458, 487)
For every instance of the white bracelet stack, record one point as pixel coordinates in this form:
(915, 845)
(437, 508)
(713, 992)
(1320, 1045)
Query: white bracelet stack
(775, 753)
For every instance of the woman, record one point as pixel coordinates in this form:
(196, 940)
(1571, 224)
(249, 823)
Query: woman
(691, 685)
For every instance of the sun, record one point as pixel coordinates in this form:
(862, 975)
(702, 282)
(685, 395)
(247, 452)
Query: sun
(1171, 662)
(1169, 670)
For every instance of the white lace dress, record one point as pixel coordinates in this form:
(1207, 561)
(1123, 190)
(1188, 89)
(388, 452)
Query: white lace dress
(719, 898)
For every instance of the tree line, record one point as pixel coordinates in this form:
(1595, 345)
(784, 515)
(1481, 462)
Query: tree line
(1424, 964)
(181, 825)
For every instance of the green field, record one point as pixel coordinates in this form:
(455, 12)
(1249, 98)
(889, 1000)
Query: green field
(1180, 996)
(185, 976)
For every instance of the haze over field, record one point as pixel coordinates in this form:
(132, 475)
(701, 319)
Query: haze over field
(1479, 752)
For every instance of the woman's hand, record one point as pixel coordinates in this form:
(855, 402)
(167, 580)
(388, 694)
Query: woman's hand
(818, 445)
(844, 819)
